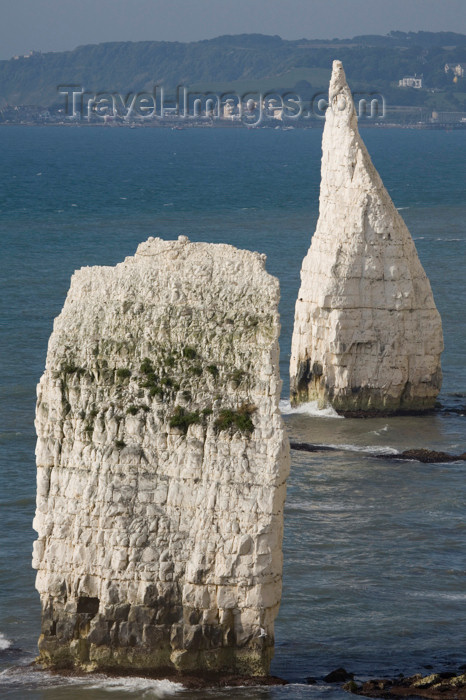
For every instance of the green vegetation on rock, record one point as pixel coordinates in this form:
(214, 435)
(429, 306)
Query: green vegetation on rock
(189, 352)
(239, 419)
(183, 419)
(196, 370)
(147, 366)
(123, 373)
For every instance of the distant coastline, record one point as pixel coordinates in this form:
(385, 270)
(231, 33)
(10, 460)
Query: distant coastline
(182, 126)
(413, 79)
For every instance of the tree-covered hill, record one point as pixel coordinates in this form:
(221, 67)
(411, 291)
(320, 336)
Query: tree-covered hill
(245, 62)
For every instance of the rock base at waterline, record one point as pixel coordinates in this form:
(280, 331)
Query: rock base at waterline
(192, 680)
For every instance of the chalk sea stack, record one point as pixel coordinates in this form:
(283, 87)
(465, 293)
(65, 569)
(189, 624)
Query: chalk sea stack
(367, 334)
(161, 465)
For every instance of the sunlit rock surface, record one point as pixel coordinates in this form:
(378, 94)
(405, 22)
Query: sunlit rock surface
(162, 462)
(367, 335)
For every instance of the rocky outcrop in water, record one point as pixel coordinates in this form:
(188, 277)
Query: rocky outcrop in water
(436, 686)
(428, 456)
(367, 334)
(413, 455)
(161, 465)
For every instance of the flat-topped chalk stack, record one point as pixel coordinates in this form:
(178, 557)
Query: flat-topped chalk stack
(367, 335)
(162, 461)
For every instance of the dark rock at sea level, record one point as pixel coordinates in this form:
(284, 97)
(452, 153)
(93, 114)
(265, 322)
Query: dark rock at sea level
(428, 456)
(339, 675)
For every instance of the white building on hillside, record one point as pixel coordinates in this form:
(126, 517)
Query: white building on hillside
(413, 81)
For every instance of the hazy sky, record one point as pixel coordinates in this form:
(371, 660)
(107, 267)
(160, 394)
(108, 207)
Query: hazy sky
(56, 25)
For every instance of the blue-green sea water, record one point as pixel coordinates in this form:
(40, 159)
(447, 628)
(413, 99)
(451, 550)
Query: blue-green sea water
(375, 565)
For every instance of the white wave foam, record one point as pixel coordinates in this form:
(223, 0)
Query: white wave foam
(401, 208)
(381, 430)
(368, 449)
(309, 409)
(143, 687)
(4, 642)
(132, 687)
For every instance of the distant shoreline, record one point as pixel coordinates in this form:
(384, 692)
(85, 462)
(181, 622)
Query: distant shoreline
(234, 125)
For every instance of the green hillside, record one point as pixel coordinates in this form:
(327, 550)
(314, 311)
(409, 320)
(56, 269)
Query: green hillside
(245, 63)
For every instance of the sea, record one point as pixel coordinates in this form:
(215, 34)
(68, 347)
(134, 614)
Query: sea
(374, 549)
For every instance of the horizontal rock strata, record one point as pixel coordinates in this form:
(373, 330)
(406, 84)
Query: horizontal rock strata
(162, 462)
(367, 334)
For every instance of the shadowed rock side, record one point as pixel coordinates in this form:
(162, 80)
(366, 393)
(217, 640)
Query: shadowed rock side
(367, 334)
(162, 461)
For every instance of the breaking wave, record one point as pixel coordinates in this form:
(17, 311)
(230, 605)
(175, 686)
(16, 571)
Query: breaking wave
(4, 642)
(310, 409)
(367, 449)
(147, 688)
(142, 687)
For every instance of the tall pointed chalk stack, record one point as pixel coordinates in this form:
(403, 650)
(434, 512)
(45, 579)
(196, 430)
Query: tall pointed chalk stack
(367, 334)
(161, 465)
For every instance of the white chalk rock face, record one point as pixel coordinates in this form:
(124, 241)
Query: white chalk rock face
(162, 461)
(367, 334)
